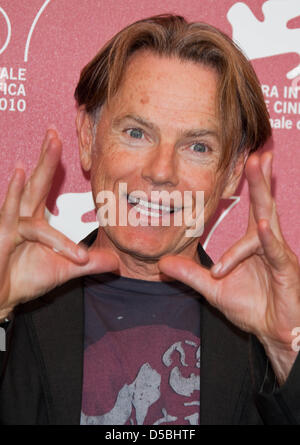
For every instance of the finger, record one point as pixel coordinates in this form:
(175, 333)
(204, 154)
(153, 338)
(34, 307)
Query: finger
(11, 205)
(274, 249)
(40, 182)
(266, 166)
(241, 250)
(41, 232)
(190, 273)
(9, 219)
(261, 199)
(251, 219)
(100, 261)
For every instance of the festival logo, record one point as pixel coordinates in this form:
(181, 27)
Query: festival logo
(5, 42)
(270, 37)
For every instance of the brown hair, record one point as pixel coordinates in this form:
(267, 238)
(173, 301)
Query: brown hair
(244, 119)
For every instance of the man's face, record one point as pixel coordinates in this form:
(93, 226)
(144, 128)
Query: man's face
(159, 133)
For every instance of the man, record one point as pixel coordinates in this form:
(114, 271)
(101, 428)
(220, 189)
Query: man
(165, 106)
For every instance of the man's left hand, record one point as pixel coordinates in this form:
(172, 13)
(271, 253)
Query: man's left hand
(256, 283)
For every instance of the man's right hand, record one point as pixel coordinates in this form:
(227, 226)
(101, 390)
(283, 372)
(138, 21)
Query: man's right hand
(29, 267)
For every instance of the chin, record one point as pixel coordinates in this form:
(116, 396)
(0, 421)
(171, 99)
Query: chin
(142, 243)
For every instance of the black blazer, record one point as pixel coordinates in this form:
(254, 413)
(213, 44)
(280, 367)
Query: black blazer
(42, 369)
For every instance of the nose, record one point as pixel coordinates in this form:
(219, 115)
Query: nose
(161, 166)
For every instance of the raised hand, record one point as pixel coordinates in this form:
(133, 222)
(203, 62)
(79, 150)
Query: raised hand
(35, 257)
(256, 283)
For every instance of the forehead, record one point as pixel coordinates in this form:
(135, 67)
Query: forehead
(168, 88)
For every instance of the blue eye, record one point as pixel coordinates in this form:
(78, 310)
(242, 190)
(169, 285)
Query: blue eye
(135, 133)
(199, 147)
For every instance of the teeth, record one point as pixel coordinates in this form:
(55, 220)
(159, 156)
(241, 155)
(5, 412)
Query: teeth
(147, 212)
(151, 205)
(154, 206)
(133, 200)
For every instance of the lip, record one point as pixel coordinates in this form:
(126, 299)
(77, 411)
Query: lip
(155, 207)
(150, 217)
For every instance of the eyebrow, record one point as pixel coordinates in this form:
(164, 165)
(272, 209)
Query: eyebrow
(137, 119)
(199, 133)
(193, 133)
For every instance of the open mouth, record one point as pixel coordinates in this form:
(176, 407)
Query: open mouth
(150, 208)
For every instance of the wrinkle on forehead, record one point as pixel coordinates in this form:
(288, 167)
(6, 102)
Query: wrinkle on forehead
(159, 98)
(168, 88)
(167, 104)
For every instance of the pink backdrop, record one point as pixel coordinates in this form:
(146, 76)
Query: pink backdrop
(44, 45)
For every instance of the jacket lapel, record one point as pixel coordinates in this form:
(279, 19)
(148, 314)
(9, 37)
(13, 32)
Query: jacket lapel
(224, 363)
(224, 369)
(58, 328)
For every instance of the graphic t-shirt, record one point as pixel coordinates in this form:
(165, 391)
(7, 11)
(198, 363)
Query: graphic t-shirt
(142, 352)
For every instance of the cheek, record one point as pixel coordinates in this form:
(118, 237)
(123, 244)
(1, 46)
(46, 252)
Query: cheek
(206, 181)
(110, 165)
(202, 180)
(212, 197)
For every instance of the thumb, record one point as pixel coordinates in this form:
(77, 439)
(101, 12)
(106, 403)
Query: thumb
(100, 261)
(190, 273)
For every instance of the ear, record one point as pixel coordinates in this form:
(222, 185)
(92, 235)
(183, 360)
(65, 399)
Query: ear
(234, 177)
(84, 127)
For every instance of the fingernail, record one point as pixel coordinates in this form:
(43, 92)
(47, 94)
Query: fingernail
(49, 133)
(217, 268)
